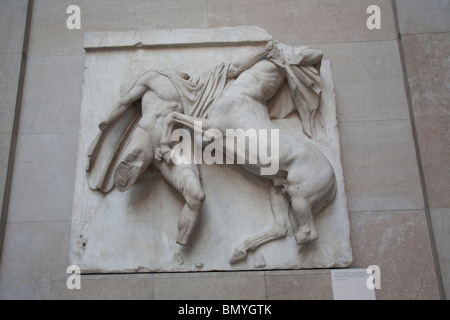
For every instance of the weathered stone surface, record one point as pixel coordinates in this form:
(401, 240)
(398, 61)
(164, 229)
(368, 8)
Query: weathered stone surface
(109, 287)
(52, 106)
(33, 252)
(441, 229)
(316, 21)
(426, 59)
(428, 67)
(10, 65)
(50, 37)
(13, 14)
(136, 230)
(434, 138)
(380, 166)
(398, 242)
(167, 38)
(417, 16)
(43, 178)
(210, 286)
(299, 285)
(5, 146)
(363, 74)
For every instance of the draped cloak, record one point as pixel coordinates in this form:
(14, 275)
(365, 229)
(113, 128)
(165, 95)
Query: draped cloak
(305, 88)
(198, 92)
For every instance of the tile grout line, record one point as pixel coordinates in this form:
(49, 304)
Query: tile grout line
(418, 154)
(373, 120)
(62, 133)
(207, 14)
(153, 286)
(387, 210)
(69, 220)
(265, 284)
(37, 222)
(425, 33)
(14, 133)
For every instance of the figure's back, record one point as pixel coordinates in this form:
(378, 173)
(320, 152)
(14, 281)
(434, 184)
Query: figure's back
(261, 81)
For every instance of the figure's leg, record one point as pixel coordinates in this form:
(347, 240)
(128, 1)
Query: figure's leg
(193, 194)
(280, 209)
(185, 179)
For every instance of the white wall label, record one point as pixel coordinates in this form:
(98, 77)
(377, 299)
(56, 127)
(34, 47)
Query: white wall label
(351, 284)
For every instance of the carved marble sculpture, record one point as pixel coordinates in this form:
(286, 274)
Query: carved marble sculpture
(136, 136)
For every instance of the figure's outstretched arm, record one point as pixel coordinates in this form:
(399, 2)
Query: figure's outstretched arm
(121, 106)
(311, 57)
(306, 57)
(236, 68)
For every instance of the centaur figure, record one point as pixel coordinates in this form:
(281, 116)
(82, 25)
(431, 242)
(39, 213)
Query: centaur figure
(230, 96)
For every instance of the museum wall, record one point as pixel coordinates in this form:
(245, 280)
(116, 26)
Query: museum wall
(393, 113)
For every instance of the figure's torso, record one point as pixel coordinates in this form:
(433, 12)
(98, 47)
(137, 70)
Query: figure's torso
(157, 104)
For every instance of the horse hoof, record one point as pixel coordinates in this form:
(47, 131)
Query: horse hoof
(306, 236)
(237, 255)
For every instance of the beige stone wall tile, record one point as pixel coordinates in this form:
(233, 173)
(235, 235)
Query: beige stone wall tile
(398, 242)
(380, 167)
(419, 16)
(294, 21)
(210, 286)
(299, 285)
(13, 14)
(441, 229)
(32, 254)
(368, 80)
(52, 95)
(10, 65)
(427, 59)
(50, 36)
(105, 287)
(43, 180)
(434, 141)
(5, 145)
(428, 68)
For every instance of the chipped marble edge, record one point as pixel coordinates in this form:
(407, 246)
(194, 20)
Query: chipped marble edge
(176, 37)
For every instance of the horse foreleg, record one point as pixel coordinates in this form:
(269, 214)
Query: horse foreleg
(280, 210)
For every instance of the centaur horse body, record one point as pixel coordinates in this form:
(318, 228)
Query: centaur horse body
(237, 96)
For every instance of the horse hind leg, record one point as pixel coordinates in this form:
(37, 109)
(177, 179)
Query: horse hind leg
(280, 210)
(309, 199)
(302, 210)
